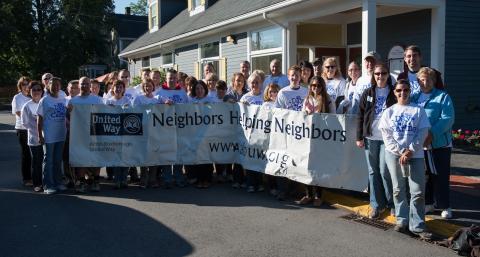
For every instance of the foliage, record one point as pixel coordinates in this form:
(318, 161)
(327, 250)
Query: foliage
(466, 138)
(54, 36)
(139, 8)
(136, 80)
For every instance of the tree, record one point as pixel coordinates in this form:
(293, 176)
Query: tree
(139, 8)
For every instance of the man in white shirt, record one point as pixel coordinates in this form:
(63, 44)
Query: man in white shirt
(364, 81)
(292, 97)
(276, 75)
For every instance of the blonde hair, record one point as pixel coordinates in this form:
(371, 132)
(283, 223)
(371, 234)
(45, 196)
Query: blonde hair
(428, 72)
(266, 93)
(338, 72)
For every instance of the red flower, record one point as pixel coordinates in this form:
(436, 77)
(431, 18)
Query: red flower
(475, 132)
(467, 132)
(462, 137)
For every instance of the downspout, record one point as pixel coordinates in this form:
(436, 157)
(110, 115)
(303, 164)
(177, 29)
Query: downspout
(285, 41)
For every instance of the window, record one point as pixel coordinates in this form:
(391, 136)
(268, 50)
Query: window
(153, 15)
(196, 6)
(266, 45)
(196, 3)
(167, 58)
(267, 39)
(145, 62)
(209, 50)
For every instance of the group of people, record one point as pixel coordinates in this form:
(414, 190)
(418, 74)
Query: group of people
(404, 126)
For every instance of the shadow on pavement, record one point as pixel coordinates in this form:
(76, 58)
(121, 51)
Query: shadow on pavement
(39, 225)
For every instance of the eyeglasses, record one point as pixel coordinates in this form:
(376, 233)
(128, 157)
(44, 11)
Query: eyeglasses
(330, 67)
(125, 77)
(273, 92)
(405, 90)
(380, 73)
(47, 78)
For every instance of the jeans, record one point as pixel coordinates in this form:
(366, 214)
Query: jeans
(52, 164)
(379, 179)
(120, 174)
(177, 174)
(412, 214)
(437, 190)
(254, 178)
(37, 160)
(25, 155)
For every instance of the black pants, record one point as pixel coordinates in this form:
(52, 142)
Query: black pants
(204, 172)
(37, 162)
(254, 178)
(238, 175)
(437, 189)
(25, 155)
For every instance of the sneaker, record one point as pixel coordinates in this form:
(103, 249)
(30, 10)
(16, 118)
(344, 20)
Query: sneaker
(236, 185)
(423, 235)
(447, 213)
(374, 214)
(400, 228)
(281, 196)
(192, 181)
(49, 191)
(61, 187)
(429, 208)
(251, 189)
(243, 185)
(304, 200)
(96, 187)
(317, 202)
(260, 189)
(37, 189)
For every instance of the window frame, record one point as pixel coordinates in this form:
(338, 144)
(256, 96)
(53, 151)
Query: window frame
(153, 26)
(203, 61)
(265, 52)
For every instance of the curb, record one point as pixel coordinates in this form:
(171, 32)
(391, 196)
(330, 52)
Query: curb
(362, 208)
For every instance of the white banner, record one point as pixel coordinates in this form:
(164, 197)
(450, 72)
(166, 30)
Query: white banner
(316, 149)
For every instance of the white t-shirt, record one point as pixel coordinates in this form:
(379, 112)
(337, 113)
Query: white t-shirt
(122, 101)
(291, 99)
(414, 85)
(90, 99)
(212, 93)
(177, 96)
(252, 99)
(53, 111)
(29, 121)
(335, 88)
(130, 93)
(401, 127)
(363, 83)
(19, 100)
(381, 95)
(144, 100)
(269, 105)
(204, 100)
(281, 80)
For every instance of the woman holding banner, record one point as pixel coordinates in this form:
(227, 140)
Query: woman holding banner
(404, 128)
(254, 97)
(372, 104)
(317, 101)
(118, 99)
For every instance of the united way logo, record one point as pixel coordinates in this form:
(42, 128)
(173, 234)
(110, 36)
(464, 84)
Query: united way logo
(116, 124)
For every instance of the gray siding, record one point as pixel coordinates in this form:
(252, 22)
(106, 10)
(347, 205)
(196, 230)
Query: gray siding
(155, 61)
(185, 58)
(462, 39)
(235, 53)
(403, 29)
(135, 68)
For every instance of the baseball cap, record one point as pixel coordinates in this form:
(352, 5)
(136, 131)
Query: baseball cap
(373, 54)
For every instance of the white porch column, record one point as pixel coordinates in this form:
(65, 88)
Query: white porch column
(437, 38)
(290, 46)
(369, 28)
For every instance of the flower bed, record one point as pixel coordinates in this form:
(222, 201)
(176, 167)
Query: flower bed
(466, 139)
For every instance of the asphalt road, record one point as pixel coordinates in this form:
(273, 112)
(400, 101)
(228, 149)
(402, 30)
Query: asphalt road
(219, 221)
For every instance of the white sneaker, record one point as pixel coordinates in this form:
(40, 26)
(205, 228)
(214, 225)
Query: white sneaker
(429, 208)
(447, 213)
(49, 191)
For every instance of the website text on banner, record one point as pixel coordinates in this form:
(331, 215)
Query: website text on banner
(311, 149)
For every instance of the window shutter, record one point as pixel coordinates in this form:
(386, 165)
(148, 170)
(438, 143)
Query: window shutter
(222, 66)
(175, 67)
(197, 69)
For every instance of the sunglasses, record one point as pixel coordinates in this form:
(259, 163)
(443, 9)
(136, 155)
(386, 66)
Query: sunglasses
(380, 73)
(330, 67)
(273, 92)
(125, 77)
(405, 90)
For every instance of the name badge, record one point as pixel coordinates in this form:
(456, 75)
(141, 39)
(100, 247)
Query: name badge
(369, 99)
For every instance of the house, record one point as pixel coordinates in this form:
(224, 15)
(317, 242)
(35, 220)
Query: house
(188, 34)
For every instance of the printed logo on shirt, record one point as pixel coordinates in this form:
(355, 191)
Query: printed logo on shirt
(175, 99)
(331, 92)
(295, 103)
(415, 87)
(59, 112)
(350, 96)
(380, 105)
(404, 123)
(114, 124)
